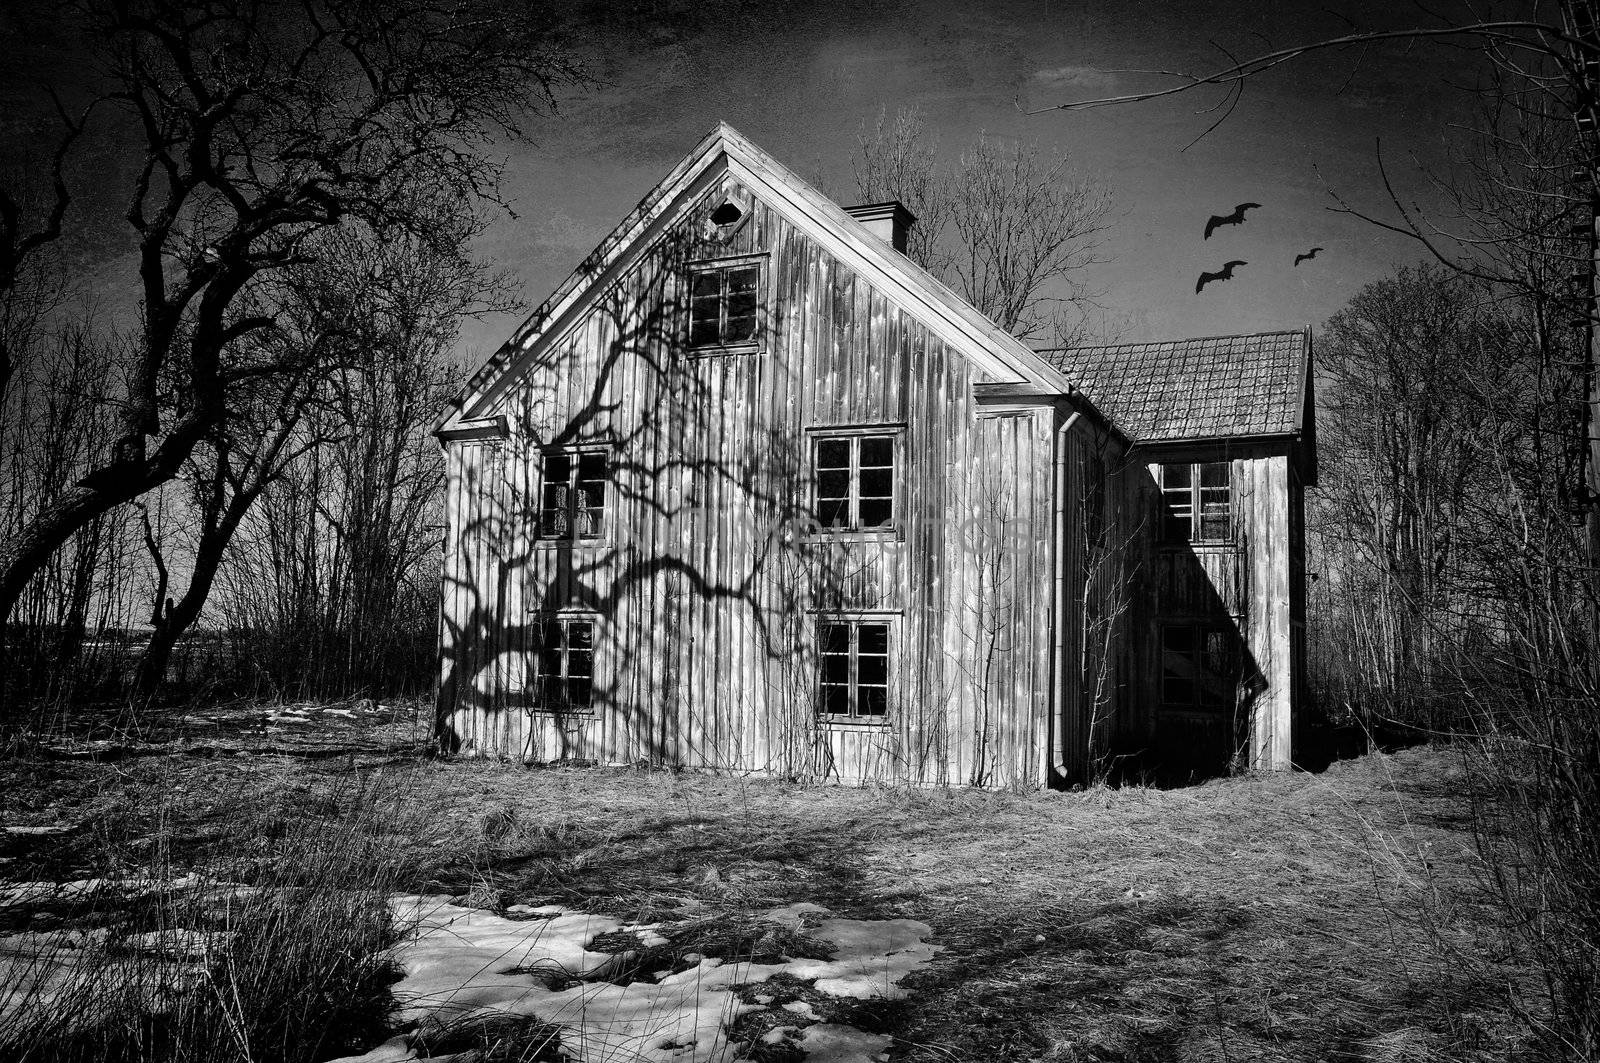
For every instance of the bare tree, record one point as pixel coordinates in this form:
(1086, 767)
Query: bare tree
(61, 391)
(898, 159)
(1528, 213)
(335, 592)
(1025, 223)
(259, 124)
(1426, 383)
(1009, 227)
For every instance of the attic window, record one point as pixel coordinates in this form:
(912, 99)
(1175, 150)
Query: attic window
(723, 302)
(725, 220)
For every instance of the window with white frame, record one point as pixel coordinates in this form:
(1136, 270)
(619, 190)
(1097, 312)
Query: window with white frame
(724, 304)
(853, 654)
(855, 481)
(572, 503)
(566, 664)
(1196, 502)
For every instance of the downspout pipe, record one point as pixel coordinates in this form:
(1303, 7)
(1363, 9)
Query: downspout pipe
(1058, 658)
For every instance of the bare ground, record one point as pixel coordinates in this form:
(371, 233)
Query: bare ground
(1335, 916)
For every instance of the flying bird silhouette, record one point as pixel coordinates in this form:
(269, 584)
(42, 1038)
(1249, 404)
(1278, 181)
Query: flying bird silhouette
(1236, 218)
(1309, 254)
(1223, 274)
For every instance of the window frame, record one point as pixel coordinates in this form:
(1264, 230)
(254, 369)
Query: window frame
(541, 701)
(853, 716)
(1199, 630)
(854, 434)
(757, 341)
(1196, 515)
(574, 455)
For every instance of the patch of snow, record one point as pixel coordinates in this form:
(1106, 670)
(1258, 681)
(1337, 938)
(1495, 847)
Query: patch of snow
(870, 957)
(831, 1043)
(463, 963)
(793, 915)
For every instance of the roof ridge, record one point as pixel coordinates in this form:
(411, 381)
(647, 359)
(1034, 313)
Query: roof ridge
(1184, 339)
(725, 150)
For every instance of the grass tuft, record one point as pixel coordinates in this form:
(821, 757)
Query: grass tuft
(285, 965)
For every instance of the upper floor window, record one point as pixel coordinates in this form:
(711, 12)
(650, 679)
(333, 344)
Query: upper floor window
(855, 481)
(566, 664)
(724, 301)
(1196, 502)
(855, 669)
(573, 503)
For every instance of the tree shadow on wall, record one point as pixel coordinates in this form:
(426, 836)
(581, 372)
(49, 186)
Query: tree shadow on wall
(698, 583)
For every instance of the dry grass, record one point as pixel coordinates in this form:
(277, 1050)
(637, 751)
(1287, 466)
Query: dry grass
(1295, 917)
(273, 950)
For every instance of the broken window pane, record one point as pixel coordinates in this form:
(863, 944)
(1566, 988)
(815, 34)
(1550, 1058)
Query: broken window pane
(1196, 502)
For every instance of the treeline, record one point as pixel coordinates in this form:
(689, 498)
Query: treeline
(1446, 535)
(230, 488)
(1452, 534)
(296, 552)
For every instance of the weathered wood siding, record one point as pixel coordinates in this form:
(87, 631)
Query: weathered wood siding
(706, 590)
(1251, 581)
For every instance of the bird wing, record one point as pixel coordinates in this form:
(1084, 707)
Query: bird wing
(1242, 207)
(1212, 224)
(1201, 283)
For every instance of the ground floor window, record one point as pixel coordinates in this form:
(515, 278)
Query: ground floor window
(566, 664)
(854, 658)
(1199, 666)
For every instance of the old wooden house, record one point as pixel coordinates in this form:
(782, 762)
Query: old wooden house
(753, 492)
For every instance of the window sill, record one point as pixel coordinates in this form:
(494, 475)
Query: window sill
(560, 714)
(711, 351)
(855, 536)
(852, 723)
(1198, 544)
(570, 544)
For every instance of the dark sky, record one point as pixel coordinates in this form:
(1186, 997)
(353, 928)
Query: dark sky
(801, 79)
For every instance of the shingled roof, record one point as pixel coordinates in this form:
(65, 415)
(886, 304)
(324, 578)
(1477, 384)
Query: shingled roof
(1209, 388)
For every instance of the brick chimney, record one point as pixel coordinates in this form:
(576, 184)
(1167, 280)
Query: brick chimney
(889, 221)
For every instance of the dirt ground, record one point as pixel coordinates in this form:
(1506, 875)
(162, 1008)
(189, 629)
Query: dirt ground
(1331, 916)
